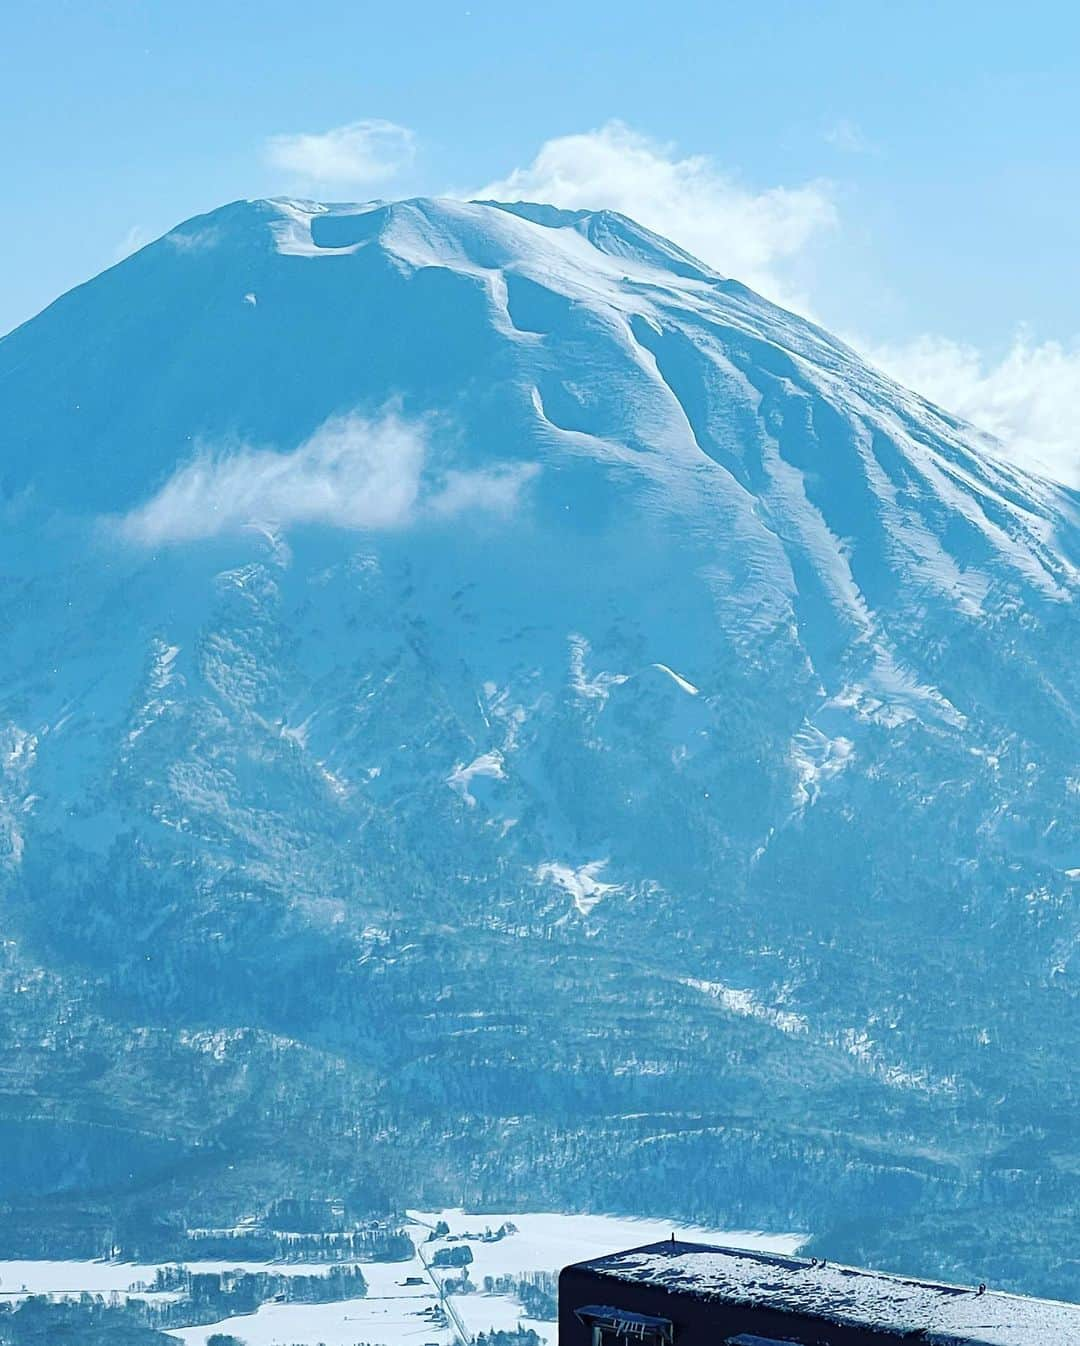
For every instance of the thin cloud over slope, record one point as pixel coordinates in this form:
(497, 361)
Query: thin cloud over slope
(352, 473)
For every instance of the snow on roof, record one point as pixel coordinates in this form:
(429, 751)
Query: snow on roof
(942, 1315)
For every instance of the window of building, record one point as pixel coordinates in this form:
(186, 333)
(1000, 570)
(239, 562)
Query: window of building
(619, 1327)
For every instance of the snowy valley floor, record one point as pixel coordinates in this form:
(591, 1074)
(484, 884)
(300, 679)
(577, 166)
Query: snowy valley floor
(393, 1313)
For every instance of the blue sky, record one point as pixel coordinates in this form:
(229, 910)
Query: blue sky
(907, 174)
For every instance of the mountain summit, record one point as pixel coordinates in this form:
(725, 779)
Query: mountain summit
(495, 711)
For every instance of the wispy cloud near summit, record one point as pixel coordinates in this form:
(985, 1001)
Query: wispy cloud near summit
(744, 233)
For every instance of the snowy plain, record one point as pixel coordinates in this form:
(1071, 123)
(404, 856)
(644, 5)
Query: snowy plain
(392, 1313)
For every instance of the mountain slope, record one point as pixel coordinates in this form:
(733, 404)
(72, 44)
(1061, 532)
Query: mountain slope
(493, 703)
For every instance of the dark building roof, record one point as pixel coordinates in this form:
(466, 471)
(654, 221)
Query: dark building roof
(939, 1315)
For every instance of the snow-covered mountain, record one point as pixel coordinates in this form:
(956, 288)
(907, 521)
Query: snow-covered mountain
(493, 710)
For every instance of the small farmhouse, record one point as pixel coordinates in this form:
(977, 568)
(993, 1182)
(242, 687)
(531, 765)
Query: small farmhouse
(691, 1294)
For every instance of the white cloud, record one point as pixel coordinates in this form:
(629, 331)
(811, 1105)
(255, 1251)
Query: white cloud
(135, 238)
(741, 232)
(847, 136)
(190, 238)
(352, 473)
(494, 490)
(357, 155)
(1028, 399)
